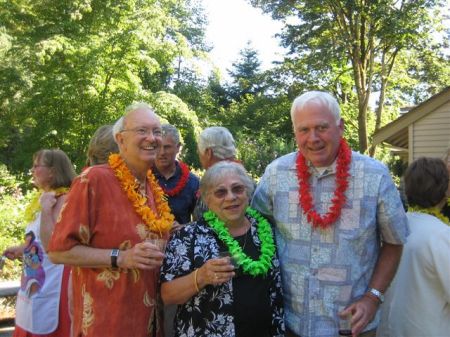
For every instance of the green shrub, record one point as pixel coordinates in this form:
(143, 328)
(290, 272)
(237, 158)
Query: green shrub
(12, 205)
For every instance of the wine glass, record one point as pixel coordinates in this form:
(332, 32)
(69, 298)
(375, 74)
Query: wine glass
(157, 241)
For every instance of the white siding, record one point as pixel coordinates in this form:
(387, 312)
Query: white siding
(432, 133)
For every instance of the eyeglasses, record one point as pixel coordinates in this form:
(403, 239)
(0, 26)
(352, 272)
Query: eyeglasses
(235, 190)
(145, 132)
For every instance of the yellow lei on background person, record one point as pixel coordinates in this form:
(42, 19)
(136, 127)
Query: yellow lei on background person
(431, 211)
(34, 207)
(160, 223)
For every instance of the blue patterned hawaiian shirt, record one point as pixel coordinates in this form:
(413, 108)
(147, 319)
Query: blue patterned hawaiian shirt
(325, 270)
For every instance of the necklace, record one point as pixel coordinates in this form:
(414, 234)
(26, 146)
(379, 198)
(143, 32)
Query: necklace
(160, 222)
(181, 182)
(305, 198)
(431, 211)
(249, 266)
(34, 207)
(242, 240)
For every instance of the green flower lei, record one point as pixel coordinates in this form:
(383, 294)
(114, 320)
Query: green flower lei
(431, 211)
(249, 266)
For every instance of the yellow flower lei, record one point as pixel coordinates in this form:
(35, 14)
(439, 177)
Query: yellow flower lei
(35, 206)
(431, 211)
(160, 223)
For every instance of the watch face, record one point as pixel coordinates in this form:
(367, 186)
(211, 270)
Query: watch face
(114, 255)
(378, 294)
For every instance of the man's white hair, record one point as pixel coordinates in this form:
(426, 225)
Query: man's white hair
(219, 140)
(320, 97)
(119, 124)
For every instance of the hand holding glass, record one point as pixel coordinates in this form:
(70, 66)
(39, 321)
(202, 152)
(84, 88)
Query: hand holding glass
(345, 325)
(232, 260)
(157, 241)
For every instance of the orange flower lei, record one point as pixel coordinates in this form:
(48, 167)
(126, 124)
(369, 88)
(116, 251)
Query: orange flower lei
(160, 223)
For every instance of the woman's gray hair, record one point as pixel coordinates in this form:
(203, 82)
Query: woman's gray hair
(320, 97)
(221, 169)
(101, 145)
(219, 140)
(119, 124)
(170, 130)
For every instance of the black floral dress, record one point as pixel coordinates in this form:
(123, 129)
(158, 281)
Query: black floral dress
(210, 312)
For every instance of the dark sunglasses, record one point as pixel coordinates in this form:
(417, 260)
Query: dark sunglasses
(223, 192)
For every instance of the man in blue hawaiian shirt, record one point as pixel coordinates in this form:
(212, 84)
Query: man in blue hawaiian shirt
(340, 238)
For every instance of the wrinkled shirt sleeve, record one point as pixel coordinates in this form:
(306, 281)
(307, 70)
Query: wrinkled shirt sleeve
(391, 217)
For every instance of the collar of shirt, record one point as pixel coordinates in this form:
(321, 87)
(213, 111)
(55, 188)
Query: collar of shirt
(176, 173)
(328, 170)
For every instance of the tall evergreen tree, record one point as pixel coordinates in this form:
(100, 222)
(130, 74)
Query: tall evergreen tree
(246, 75)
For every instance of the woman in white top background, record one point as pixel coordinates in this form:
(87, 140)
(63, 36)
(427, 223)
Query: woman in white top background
(418, 300)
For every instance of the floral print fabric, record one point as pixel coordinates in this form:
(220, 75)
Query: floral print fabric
(210, 312)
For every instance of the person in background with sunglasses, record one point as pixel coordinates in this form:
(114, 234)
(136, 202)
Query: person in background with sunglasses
(223, 270)
(42, 300)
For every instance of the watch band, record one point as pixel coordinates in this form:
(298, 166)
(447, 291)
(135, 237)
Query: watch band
(378, 294)
(114, 254)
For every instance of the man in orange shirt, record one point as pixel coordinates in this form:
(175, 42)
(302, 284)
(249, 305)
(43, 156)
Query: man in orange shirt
(110, 211)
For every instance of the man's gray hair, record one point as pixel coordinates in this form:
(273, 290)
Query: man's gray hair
(219, 140)
(320, 97)
(170, 130)
(221, 169)
(118, 125)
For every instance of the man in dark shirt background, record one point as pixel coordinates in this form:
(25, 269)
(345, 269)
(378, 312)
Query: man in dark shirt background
(181, 186)
(175, 178)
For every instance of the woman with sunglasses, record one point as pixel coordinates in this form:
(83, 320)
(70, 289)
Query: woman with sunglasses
(42, 300)
(223, 270)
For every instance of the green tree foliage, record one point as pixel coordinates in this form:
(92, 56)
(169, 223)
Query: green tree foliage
(256, 115)
(262, 128)
(329, 40)
(70, 66)
(12, 205)
(176, 112)
(246, 74)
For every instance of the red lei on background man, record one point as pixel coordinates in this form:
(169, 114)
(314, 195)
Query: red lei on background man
(181, 183)
(306, 201)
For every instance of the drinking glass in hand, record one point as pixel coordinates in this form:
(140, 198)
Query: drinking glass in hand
(157, 241)
(345, 325)
(232, 259)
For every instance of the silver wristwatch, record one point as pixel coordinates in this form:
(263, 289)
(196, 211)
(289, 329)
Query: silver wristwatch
(378, 294)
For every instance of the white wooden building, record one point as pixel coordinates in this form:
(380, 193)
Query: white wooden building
(423, 131)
